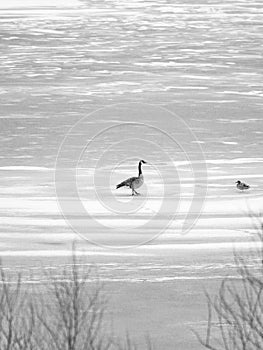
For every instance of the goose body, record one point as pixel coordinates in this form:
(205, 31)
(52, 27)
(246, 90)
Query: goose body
(242, 186)
(134, 182)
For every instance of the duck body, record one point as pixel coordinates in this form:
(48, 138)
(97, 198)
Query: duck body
(242, 186)
(134, 182)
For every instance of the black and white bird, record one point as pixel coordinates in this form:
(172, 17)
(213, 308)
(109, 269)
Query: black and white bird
(135, 181)
(242, 186)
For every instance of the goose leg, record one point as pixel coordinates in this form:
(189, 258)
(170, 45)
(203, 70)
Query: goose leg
(137, 193)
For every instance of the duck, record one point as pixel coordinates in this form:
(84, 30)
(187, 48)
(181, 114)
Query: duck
(242, 186)
(134, 182)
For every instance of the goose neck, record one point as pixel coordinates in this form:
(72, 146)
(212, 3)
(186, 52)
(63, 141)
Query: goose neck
(140, 169)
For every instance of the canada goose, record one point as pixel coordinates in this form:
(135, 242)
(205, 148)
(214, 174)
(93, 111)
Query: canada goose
(135, 181)
(242, 186)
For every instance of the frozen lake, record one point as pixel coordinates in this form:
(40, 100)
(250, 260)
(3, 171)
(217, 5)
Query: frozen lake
(202, 61)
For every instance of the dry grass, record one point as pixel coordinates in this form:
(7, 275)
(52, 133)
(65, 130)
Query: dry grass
(235, 315)
(67, 313)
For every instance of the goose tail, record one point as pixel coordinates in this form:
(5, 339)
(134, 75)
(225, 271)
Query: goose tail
(120, 185)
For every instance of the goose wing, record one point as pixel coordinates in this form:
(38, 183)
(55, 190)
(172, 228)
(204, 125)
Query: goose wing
(127, 182)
